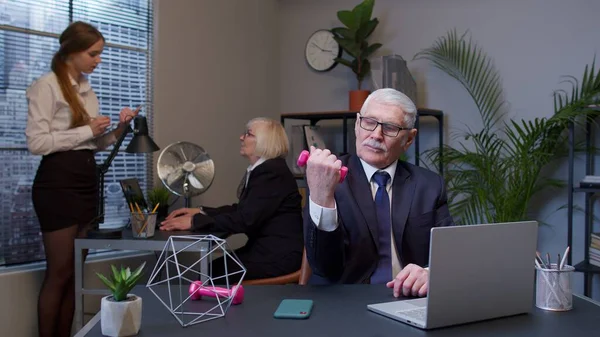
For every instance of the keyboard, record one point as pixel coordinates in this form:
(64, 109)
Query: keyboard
(417, 314)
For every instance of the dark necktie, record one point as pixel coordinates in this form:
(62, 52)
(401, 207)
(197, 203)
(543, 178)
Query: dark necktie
(383, 273)
(242, 185)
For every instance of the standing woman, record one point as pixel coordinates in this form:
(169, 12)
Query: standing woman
(64, 125)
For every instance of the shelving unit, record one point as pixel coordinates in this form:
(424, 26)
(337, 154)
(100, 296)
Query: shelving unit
(315, 117)
(584, 266)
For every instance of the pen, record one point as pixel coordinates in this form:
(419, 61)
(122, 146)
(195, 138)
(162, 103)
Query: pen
(548, 260)
(558, 262)
(564, 259)
(545, 277)
(539, 259)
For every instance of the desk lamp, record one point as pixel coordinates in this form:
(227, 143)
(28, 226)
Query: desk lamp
(140, 143)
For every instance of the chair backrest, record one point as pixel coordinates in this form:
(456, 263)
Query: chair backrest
(301, 276)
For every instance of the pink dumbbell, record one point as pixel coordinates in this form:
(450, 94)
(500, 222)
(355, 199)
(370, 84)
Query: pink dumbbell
(197, 290)
(303, 158)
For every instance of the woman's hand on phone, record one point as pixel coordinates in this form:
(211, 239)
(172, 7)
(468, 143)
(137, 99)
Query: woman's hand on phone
(99, 125)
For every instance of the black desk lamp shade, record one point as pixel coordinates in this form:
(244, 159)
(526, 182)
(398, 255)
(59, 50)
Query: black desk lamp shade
(140, 143)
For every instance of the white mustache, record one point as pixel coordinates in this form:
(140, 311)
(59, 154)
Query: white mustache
(374, 144)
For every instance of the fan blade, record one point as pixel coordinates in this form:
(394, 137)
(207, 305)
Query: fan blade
(172, 173)
(204, 171)
(177, 184)
(174, 154)
(195, 182)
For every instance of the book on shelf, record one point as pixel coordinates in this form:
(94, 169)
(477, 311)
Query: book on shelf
(590, 182)
(595, 240)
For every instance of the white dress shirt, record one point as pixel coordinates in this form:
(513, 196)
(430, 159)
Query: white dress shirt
(49, 118)
(326, 218)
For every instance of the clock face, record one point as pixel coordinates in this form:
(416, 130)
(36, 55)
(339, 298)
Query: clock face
(321, 51)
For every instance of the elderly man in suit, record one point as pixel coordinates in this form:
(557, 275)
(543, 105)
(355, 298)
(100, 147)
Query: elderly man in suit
(374, 227)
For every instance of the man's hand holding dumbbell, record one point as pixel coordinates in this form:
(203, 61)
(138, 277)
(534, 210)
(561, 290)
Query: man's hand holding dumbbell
(322, 176)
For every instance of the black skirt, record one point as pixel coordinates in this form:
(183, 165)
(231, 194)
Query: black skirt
(65, 190)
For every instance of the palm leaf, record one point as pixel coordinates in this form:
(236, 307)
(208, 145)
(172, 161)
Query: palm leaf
(466, 61)
(493, 173)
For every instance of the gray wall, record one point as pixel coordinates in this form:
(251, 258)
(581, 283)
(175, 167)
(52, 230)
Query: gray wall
(532, 42)
(217, 67)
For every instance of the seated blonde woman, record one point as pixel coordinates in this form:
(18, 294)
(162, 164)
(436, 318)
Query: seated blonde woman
(268, 211)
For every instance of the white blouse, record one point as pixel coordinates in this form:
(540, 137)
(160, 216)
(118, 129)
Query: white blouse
(49, 118)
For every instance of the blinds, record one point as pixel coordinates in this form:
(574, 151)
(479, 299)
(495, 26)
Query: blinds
(29, 31)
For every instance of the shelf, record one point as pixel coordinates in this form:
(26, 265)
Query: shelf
(588, 270)
(586, 189)
(585, 267)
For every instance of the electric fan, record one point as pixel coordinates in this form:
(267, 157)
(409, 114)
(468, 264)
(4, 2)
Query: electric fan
(185, 169)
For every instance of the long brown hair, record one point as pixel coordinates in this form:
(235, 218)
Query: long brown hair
(78, 37)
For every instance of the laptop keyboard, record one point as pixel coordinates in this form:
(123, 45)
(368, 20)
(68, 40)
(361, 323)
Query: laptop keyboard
(417, 314)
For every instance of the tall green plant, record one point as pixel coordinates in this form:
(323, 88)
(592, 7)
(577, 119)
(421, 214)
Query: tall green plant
(353, 38)
(494, 173)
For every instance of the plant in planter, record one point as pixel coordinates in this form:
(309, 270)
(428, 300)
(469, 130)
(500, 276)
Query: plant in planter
(121, 312)
(493, 175)
(353, 40)
(159, 196)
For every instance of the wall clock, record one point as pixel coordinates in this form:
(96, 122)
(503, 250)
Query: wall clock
(321, 51)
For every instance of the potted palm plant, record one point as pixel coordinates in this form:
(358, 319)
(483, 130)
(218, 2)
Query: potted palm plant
(353, 40)
(121, 312)
(494, 172)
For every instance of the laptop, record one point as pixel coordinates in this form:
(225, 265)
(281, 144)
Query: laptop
(476, 272)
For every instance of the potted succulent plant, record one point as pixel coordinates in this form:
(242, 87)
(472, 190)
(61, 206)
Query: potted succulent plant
(353, 40)
(121, 312)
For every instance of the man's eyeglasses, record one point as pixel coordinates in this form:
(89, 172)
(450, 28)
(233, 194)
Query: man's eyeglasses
(247, 133)
(390, 130)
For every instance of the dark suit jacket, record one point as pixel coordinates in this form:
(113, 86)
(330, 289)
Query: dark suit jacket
(349, 254)
(269, 212)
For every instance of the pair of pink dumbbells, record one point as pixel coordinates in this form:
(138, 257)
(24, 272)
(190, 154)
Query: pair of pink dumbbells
(197, 290)
(303, 158)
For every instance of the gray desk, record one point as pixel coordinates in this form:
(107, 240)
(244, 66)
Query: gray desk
(127, 242)
(341, 311)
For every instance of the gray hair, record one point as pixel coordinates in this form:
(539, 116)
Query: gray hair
(271, 138)
(390, 96)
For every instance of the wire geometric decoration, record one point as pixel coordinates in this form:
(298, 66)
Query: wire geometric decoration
(181, 287)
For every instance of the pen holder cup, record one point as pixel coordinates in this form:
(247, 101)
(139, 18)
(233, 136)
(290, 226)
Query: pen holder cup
(553, 290)
(143, 224)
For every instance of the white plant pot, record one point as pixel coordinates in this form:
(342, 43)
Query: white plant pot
(119, 319)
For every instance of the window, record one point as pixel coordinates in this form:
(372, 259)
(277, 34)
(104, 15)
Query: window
(29, 31)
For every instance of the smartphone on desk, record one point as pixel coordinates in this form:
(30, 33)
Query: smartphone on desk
(294, 309)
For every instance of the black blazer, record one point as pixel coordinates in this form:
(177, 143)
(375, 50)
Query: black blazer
(269, 212)
(349, 254)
